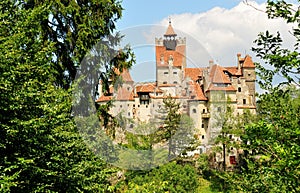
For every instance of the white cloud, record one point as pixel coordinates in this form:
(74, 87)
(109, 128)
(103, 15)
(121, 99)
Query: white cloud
(217, 34)
(226, 32)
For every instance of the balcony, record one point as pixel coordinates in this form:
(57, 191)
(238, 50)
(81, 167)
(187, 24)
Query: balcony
(205, 115)
(144, 97)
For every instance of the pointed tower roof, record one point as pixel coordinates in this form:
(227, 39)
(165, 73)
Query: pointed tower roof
(170, 31)
(217, 75)
(126, 77)
(248, 63)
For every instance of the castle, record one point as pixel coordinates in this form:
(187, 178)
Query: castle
(202, 92)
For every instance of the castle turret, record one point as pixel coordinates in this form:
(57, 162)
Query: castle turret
(170, 57)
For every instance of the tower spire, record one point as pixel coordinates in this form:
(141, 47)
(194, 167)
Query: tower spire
(170, 31)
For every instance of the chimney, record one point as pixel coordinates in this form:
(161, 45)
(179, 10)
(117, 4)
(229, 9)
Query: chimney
(239, 58)
(211, 63)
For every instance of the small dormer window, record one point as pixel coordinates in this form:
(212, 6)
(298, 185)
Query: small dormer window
(162, 59)
(171, 60)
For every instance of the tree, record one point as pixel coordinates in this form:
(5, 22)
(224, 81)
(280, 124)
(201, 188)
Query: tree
(41, 45)
(74, 27)
(175, 128)
(269, 48)
(271, 143)
(170, 177)
(272, 146)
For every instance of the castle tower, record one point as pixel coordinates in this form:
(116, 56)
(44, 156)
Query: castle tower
(170, 57)
(248, 70)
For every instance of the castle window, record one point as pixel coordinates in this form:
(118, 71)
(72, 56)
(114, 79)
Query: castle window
(121, 106)
(175, 82)
(203, 136)
(194, 111)
(240, 89)
(145, 102)
(219, 109)
(128, 113)
(202, 125)
(166, 72)
(203, 111)
(174, 72)
(232, 160)
(244, 101)
(249, 74)
(164, 82)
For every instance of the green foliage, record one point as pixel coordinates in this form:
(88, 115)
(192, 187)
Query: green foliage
(269, 48)
(175, 127)
(271, 143)
(273, 158)
(74, 27)
(41, 45)
(170, 177)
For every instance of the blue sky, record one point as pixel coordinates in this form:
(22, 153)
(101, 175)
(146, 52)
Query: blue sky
(138, 12)
(215, 29)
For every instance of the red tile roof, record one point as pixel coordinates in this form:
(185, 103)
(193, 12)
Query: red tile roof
(193, 73)
(232, 70)
(123, 94)
(217, 75)
(148, 87)
(126, 77)
(196, 91)
(178, 56)
(104, 98)
(248, 63)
